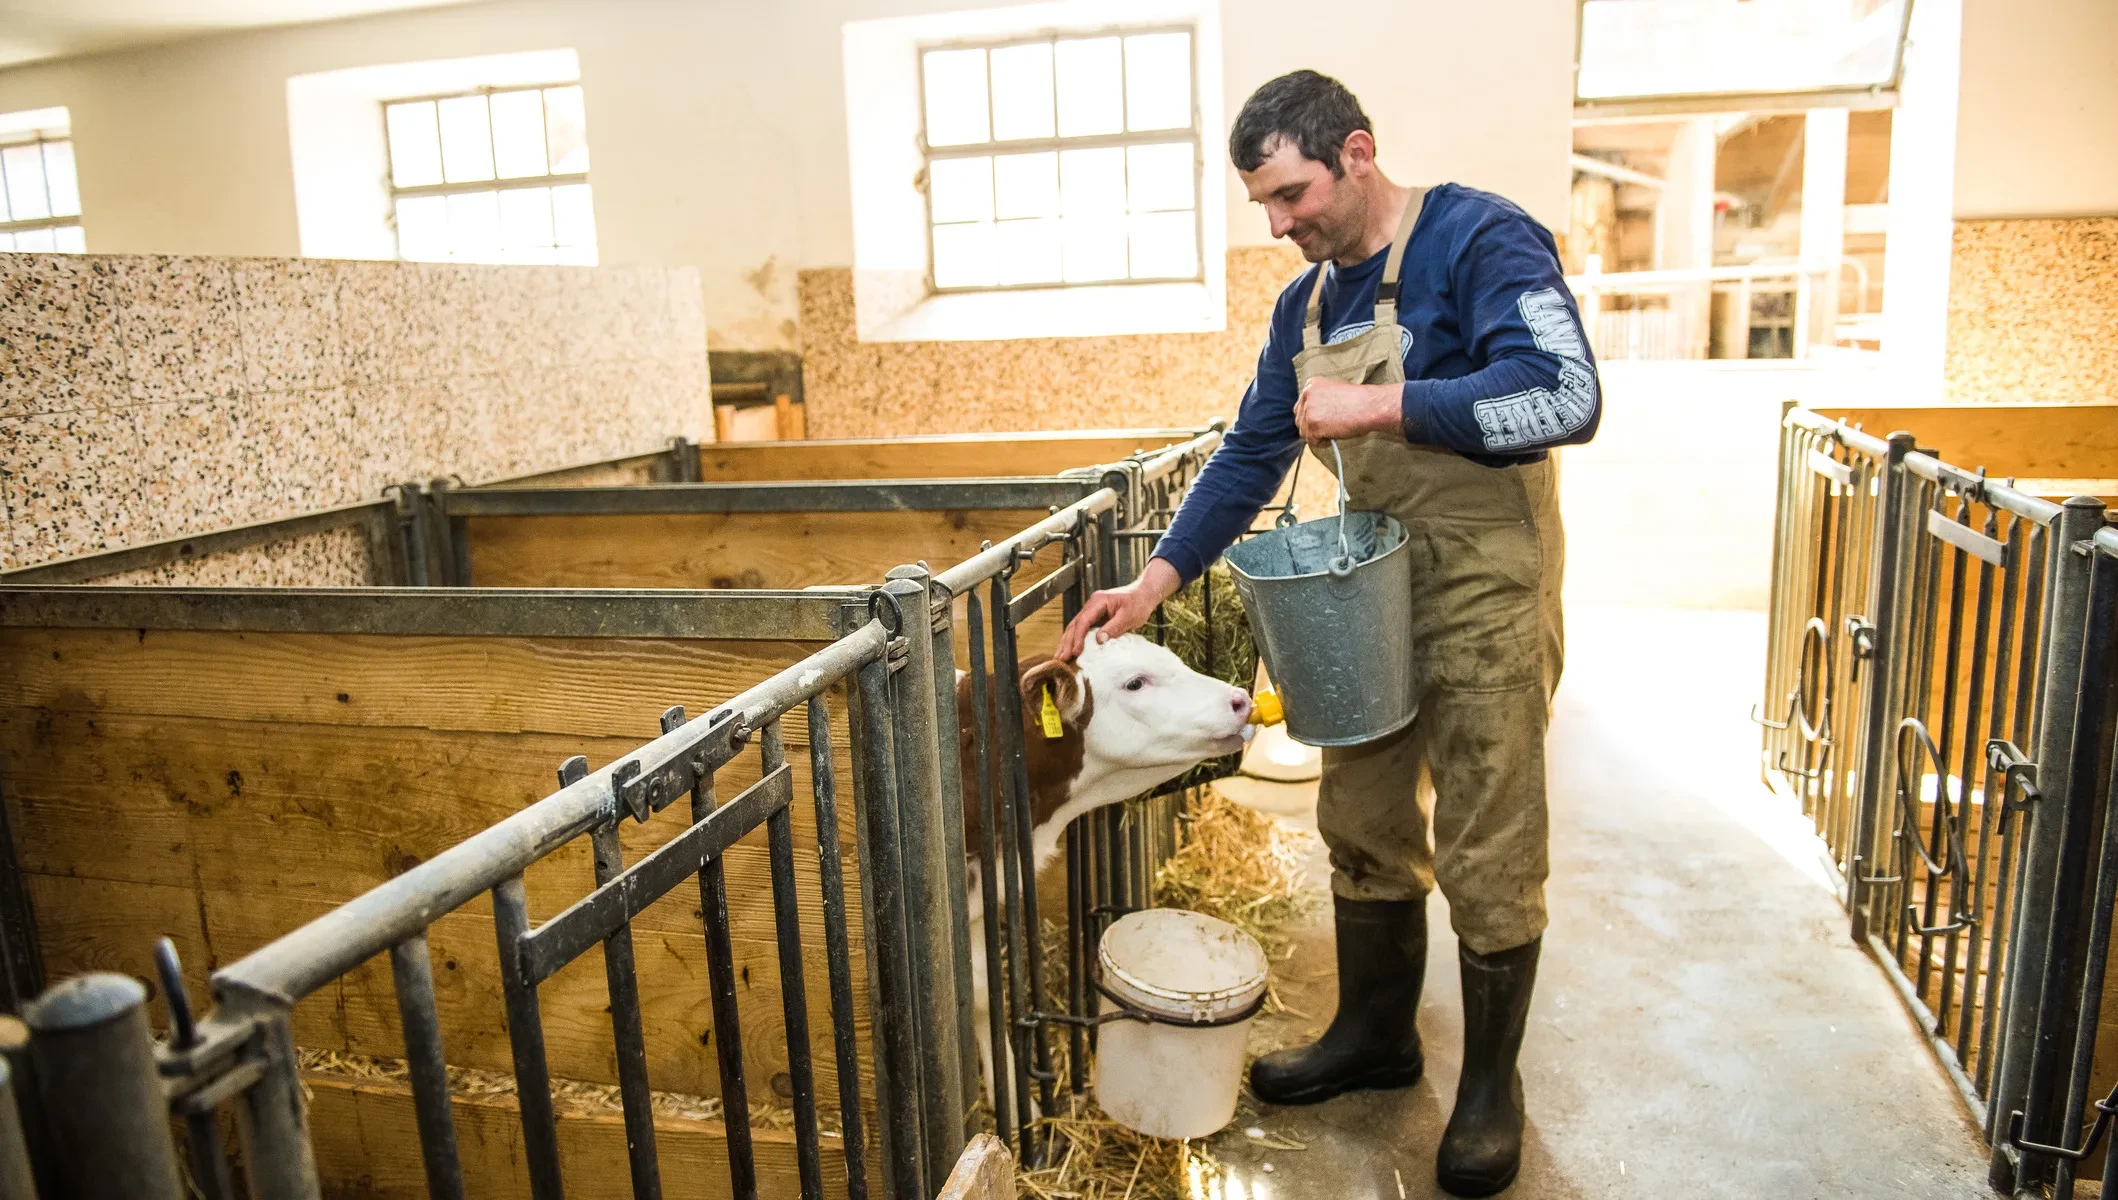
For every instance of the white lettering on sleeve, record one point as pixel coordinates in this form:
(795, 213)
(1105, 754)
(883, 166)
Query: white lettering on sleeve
(1543, 414)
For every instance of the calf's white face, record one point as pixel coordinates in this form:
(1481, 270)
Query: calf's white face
(1152, 714)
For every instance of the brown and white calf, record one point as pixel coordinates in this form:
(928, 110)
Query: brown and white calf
(1131, 716)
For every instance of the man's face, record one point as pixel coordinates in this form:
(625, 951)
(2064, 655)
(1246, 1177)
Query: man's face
(1306, 205)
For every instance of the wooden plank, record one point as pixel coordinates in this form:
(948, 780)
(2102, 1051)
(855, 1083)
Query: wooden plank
(957, 456)
(186, 802)
(985, 1171)
(367, 1146)
(579, 687)
(2070, 440)
(727, 550)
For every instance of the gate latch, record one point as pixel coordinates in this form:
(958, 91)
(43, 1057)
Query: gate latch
(2018, 774)
(1862, 633)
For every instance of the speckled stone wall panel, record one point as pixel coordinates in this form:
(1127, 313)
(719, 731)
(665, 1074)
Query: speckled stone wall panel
(147, 397)
(2033, 312)
(60, 348)
(881, 389)
(338, 558)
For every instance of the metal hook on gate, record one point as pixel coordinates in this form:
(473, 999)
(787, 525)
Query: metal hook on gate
(2106, 1109)
(183, 1030)
(894, 623)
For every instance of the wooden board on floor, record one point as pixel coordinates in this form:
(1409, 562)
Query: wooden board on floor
(956, 456)
(2074, 441)
(367, 1146)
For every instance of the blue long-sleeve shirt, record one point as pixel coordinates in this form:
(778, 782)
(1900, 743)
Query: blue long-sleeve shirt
(1496, 366)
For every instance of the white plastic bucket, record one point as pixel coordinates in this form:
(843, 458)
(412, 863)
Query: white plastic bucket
(1177, 1076)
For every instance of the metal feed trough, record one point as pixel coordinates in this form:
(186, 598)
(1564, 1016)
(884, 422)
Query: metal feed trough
(1937, 697)
(921, 1103)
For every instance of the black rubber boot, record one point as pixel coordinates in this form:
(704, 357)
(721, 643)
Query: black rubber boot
(1373, 1041)
(1482, 1148)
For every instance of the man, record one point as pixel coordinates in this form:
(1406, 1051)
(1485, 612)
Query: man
(1437, 344)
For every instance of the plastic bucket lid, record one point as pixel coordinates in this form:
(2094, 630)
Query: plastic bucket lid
(1182, 965)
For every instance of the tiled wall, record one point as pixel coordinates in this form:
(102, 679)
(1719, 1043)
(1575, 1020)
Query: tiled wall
(2033, 312)
(146, 397)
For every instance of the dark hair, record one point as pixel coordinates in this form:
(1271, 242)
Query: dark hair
(1313, 111)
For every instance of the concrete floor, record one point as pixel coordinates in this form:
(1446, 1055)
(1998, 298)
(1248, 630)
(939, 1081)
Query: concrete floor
(1702, 1027)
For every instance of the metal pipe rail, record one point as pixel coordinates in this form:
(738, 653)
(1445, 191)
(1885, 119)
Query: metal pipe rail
(382, 524)
(242, 1052)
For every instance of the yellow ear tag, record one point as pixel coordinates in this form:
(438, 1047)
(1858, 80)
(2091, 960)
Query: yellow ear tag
(1048, 712)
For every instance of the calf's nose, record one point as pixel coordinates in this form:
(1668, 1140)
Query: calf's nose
(1240, 703)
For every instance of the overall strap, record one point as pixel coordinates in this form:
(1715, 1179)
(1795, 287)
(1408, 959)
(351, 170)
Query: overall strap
(1393, 267)
(1385, 292)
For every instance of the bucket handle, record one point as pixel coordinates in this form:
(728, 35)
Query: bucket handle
(1343, 565)
(1126, 1010)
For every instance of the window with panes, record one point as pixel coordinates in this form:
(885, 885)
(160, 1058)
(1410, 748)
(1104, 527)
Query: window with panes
(1063, 160)
(498, 175)
(40, 203)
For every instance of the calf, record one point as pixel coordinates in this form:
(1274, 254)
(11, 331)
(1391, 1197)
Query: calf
(1130, 715)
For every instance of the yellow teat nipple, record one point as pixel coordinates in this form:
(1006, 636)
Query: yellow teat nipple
(1265, 708)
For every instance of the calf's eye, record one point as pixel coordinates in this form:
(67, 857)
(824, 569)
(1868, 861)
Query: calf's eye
(1135, 683)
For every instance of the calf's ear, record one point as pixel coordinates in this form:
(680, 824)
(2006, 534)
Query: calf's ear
(1069, 689)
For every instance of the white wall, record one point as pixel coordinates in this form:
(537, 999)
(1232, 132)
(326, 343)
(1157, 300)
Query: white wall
(2037, 126)
(1478, 93)
(1920, 237)
(717, 128)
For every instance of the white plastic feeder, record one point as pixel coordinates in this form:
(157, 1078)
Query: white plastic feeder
(1198, 982)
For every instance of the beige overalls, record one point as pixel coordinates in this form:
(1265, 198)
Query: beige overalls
(1486, 635)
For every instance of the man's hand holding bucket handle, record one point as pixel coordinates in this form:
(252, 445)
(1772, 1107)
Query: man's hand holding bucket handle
(1120, 610)
(1332, 408)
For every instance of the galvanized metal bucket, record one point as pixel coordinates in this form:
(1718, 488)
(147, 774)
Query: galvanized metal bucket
(1330, 604)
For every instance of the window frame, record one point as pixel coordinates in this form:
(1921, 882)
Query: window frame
(550, 179)
(10, 227)
(992, 148)
(1859, 96)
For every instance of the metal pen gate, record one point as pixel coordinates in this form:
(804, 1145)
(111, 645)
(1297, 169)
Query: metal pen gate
(89, 1035)
(98, 1073)
(1941, 870)
(1929, 662)
(1110, 858)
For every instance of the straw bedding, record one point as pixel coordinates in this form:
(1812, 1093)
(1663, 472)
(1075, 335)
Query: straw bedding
(568, 1095)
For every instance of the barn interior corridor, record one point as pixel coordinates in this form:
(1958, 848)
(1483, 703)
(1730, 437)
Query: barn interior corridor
(1703, 1026)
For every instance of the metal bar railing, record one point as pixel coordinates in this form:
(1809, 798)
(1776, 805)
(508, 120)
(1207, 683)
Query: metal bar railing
(2062, 1088)
(109, 1090)
(1978, 653)
(1109, 854)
